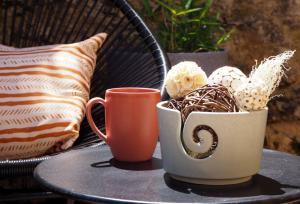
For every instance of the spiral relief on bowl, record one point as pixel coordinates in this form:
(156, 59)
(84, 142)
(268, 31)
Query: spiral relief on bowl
(199, 140)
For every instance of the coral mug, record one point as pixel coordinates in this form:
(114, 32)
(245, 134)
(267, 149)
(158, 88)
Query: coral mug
(131, 122)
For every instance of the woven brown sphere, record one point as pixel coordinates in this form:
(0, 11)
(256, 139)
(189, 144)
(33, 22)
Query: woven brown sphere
(209, 98)
(175, 104)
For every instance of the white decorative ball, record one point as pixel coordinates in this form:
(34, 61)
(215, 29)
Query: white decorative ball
(230, 77)
(184, 78)
(252, 95)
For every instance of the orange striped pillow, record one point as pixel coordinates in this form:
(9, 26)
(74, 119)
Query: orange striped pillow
(43, 92)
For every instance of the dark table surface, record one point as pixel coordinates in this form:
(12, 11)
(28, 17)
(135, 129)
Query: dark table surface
(93, 175)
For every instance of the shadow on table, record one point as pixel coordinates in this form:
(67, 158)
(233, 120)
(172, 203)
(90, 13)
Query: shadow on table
(153, 164)
(259, 185)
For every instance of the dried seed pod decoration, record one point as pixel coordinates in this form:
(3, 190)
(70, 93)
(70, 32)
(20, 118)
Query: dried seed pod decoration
(252, 95)
(255, 93)
(271, 70)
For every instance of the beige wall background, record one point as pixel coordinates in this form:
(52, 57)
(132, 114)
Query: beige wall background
(264, 28)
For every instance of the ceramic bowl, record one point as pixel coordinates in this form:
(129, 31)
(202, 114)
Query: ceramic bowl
(212, 148)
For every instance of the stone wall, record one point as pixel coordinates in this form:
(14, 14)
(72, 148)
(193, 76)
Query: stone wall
(264, 28)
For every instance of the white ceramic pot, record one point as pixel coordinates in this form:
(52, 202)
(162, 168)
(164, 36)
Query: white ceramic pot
(227, 147)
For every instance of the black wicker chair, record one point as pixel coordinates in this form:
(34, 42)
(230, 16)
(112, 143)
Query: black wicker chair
(130, 56)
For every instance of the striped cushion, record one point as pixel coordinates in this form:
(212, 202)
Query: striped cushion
(43, 92)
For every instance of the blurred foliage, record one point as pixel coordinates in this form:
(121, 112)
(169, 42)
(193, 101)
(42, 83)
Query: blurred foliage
(185, 25)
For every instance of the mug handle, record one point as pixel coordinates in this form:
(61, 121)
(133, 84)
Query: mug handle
(89, 106)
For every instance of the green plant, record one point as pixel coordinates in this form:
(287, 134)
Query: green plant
(186, 25)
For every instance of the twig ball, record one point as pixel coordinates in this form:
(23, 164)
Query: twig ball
(209, 98)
